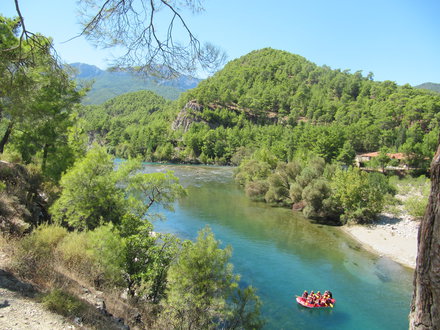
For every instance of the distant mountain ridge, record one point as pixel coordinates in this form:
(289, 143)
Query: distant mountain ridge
(108, 84)
(430, 86)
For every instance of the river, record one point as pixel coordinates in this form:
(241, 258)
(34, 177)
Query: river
(282, 253)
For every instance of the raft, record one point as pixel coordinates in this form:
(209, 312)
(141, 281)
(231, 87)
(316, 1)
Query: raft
(303, 302)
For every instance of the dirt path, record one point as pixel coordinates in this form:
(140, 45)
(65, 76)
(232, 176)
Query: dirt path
(19, 308)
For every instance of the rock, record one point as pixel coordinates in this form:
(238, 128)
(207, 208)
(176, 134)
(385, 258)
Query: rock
(186, 116)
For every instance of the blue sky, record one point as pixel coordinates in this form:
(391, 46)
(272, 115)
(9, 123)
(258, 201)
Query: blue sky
(397, 40)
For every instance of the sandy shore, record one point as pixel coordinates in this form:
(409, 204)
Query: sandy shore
(395, 238)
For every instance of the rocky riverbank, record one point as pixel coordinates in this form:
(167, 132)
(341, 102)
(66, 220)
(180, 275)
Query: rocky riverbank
(393, 237)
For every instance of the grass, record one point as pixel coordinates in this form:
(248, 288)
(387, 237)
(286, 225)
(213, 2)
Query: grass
(64, 303)
(414, 194)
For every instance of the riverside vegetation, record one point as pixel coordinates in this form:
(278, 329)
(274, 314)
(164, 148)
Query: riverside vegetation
(77, 220)
(288, 124)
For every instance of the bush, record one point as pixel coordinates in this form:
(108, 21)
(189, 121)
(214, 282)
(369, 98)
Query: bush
(256, 189)
(63, 303)
(107, 248)
(36, 252)
(359, 195)
(96, 256)
(11, 156)
(74, 253)
(416, 206)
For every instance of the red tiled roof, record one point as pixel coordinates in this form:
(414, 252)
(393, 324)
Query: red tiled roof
(398, 155)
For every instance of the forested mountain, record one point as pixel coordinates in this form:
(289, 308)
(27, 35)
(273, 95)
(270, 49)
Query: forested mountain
(430, 86)
(279, 102)
(108, 84)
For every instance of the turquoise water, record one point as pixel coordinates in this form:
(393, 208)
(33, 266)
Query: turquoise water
(281, 254)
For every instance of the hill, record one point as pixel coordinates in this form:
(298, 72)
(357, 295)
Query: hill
(430, 86)
(286, 106)
(108, 84)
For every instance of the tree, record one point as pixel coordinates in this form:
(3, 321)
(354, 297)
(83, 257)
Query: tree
(201, 285)
(383, 159)
(147, 257)
(143, 190)
(90, 195)
(134, 26)
(93, 193)
(425, 306)
(36, 100)
(347, 154)
(357, 195)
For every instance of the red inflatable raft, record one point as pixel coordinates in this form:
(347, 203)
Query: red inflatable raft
(303, 302)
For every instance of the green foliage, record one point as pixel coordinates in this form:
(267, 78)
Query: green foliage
(74, 251)
(90, 195)
(416, 206)
(358, 195)
(252, 170)
(147, 257)
(417, 191)
(276, 105)
(323, 191)
(132, 125)
(63, 303)
(201, 284)
(37, 99)
(36, 252)
(107, 248)
(144, 190)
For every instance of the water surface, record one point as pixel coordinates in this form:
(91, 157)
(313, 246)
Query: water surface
(281, 254)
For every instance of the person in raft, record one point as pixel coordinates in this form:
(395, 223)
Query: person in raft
(318, 299)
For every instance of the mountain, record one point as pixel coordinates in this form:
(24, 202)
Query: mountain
(108, 84)
(282, 105)
(430, 86)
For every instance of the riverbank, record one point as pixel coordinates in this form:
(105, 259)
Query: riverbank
(393, 237)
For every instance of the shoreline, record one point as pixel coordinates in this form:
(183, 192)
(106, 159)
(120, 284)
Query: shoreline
(395, 238)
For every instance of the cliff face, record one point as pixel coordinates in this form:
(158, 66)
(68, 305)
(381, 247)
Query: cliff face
(22, 204)
(191, 113)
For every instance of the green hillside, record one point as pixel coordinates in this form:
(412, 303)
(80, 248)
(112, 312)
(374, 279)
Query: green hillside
(108, 84)
(282, 103)
(430, 86)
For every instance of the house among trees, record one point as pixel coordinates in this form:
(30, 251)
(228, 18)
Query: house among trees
(398, 163)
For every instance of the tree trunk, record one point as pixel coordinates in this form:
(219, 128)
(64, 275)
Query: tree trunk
(425, 306)
(45, 152)
(6, 136)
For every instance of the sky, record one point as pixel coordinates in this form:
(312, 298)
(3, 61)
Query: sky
(397, 40)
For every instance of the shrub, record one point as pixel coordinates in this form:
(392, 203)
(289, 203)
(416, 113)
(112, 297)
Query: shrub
(63, 303)
(74, 252)
(256, 189)
(96, 256)
(107, 249)
(358, 195)
(11, 156)
(416, 206)
(36, 252)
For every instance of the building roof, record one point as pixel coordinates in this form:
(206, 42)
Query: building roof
(398, 155)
